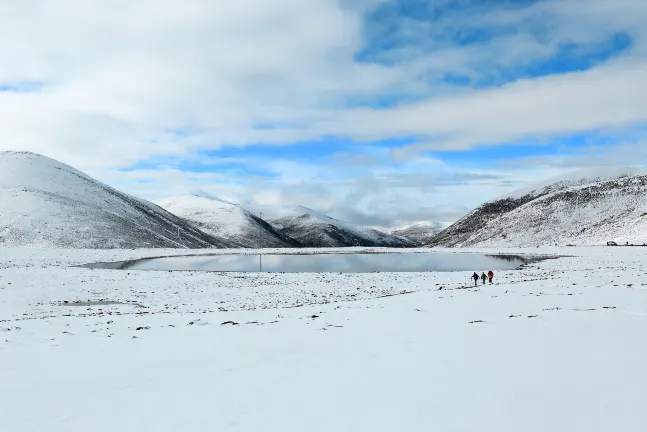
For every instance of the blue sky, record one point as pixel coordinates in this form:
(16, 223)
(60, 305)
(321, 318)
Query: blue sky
(386, 31)
(381, 112)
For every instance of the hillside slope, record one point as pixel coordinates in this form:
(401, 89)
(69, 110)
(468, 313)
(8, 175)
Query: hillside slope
(314, 229)
(228, 221)
(586, 208)
(420, 233)
(45, 203)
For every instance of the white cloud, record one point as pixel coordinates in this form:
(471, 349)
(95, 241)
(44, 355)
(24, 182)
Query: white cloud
(608, 96)
(119, 76)
(382, 195)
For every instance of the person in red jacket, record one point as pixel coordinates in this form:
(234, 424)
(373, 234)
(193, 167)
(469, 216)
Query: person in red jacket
(490, 275)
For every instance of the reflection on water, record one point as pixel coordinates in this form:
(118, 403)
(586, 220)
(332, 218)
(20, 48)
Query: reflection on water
(342, 263)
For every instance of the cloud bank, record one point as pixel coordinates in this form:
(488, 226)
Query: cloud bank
(372, 111)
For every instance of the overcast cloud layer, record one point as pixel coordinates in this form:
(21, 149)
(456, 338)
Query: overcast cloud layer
(371, 108)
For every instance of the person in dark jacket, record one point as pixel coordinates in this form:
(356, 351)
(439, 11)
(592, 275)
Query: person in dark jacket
(490, 275)
(475, 276)
(483, 277)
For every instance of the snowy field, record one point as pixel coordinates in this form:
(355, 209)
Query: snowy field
(558, 346)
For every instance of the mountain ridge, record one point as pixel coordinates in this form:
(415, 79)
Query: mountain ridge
(316, 229)
(581, 212)
(227, 220)
(46, 203)
(420, 233)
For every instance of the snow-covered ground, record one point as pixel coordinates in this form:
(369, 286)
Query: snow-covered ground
(557, 346)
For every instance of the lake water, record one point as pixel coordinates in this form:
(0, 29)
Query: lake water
(319, 263)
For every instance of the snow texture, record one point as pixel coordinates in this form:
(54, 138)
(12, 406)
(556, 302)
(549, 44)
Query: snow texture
(576, 178)
(557, 346)
(588, 207)
(44, 203)
(226, 220)
(420, 233)
(315, 229)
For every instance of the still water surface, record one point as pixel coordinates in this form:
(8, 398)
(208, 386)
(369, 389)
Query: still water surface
(342, 263)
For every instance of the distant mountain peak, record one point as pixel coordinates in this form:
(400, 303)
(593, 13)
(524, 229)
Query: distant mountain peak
(226, 220)
(201, 193)
(420, 232)
(315, 229)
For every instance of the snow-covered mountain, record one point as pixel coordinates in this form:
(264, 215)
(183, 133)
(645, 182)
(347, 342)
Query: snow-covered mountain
(590, 206)
(49, 204)
(572, 179)
(420, 233)
(314, 229)
(226, 220)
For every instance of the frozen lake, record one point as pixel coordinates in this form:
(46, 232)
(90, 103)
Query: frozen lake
(320, 263)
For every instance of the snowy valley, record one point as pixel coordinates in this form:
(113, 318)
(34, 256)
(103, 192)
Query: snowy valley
(555, 346)
(323, 216)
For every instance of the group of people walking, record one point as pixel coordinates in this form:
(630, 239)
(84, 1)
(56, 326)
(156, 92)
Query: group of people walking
(490, 276)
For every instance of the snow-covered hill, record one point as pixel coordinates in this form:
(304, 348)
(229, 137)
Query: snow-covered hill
(45, 203)
(576, 178)
(587, 207)
(420, 233)
(315, 229)
(227, 220)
